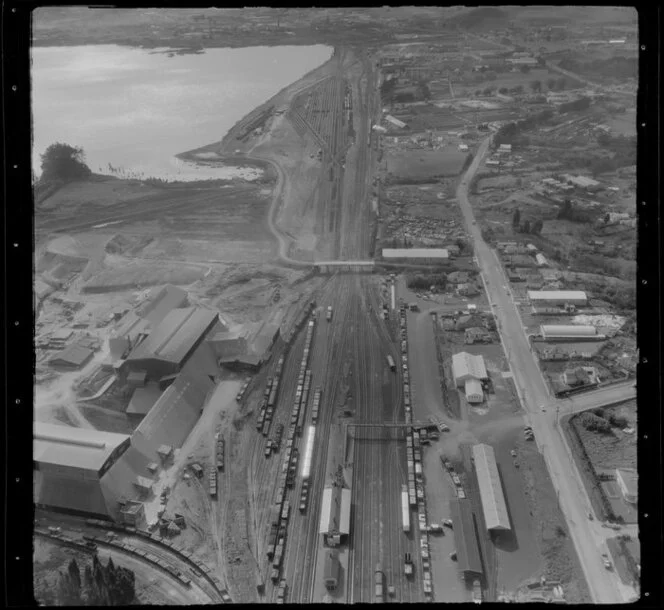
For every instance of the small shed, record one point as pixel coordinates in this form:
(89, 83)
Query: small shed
(473, 390)
(165, 452)
(143, 484)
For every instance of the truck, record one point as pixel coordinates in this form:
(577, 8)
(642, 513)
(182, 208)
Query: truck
(328, 315)
(413, 306)
(408, 565)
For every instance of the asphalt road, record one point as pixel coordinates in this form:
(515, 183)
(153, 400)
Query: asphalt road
(533, 392)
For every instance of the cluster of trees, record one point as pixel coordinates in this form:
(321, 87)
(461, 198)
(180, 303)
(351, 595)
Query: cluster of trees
(511, 132)
(580, 104)
(621, 296)
(594, 423)
(568, 212)
(614, 67)
(423, 281)
(533, 228)
(617, 421)
(65, 163)
(556, 84)
(100, 586)
(624, 154)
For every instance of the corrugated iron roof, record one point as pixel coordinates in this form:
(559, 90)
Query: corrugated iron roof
(468, 554)
(464, 363)
(344, 520)
(74, 447)
(174, 415)
(175, 336)
(143, 399)
(75, 355)
(556, 295)
(415, 253)
(491, 492)
(161, 301)
(325, 511)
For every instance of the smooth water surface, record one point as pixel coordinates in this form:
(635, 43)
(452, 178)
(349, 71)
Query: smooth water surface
(135, 109)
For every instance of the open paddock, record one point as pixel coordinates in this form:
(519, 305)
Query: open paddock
(425, 163)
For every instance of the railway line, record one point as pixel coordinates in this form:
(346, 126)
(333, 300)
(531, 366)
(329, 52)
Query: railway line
(141, 546)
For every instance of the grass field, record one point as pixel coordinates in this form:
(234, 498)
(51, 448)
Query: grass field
(425, 163)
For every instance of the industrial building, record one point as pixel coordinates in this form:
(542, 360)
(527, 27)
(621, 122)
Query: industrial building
(469, 371)
(465, 537)
(416, 255)
(491, 491)
(264, 339)
(160, 302)
(172, 417)
(227, 344)
(557, 297)
(628, 481)
(74, 357)
(84, 472)
(582, 182)
(541, 260)
(569, 331)
(395, 122)
(168, 347)
(335, 515)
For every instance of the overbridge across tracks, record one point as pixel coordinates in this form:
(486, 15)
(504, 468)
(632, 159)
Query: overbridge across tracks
(344, 266)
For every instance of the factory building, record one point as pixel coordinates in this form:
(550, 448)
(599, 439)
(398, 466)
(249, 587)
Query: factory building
(160, 302)
(396, 122)
(557, 297)
(84, 472)
(264, 339)
(335, 515)
(465, 537)
(74, 357)
(226, 344)
(416, 255)
(173, 415)
(491, 491)
(571, 331)
(168, 347)
(628, 481)
(469, 371)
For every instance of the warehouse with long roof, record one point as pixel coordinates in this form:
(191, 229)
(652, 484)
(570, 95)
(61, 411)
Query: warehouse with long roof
(568, 331)
(557, 297)
(465, 537)
(469, 371)
(416, 255)
(335, 512)
(491, 491)
(174, 340)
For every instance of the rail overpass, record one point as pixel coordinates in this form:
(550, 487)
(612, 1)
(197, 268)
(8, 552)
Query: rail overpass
(344, 266)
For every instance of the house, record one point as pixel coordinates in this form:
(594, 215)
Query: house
(576, 377)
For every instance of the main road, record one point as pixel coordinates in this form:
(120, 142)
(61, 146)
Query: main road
(534, 393)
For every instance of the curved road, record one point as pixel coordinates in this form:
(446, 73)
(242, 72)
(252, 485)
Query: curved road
(534, 392)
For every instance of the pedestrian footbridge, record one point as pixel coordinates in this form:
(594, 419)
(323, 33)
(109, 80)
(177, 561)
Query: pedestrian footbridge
(327, 267)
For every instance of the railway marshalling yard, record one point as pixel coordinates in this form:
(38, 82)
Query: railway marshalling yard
(350, 416)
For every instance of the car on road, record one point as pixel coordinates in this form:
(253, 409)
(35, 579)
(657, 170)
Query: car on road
(590, 517)
(543, 408)
(447, 523)
(226, 598)
(513, 453)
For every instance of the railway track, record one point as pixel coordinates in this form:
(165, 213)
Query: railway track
(146, 550)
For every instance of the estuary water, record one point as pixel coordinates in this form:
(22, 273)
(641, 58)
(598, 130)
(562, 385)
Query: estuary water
(132, 109)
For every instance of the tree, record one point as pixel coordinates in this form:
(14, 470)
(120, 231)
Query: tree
(516, 217)
(537, 227)
(487, 91)
(525, 228)
(503, 90)
(525, 69)
(63, 162)
(551, 84)
(561, 83)
(536, 86)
